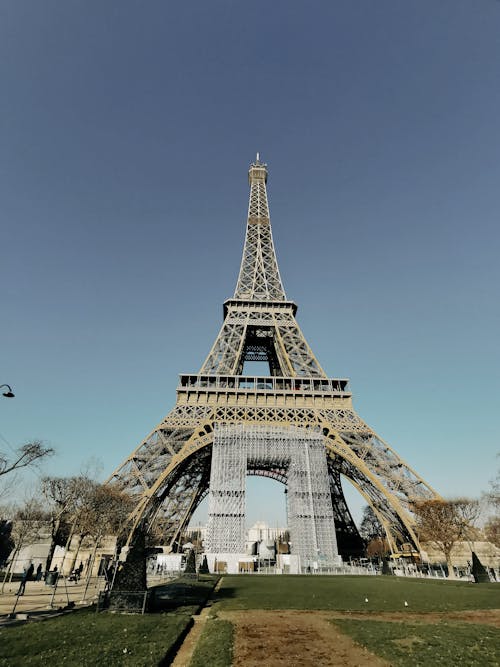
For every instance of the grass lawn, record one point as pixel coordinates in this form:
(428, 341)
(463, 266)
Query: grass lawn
(345, 593)
(215, 646)
(88, 639)
(445, 644)
(84, 638)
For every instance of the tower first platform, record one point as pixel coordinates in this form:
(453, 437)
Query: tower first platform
(294, 424)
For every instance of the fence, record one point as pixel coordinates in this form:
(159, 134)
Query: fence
(128, 601)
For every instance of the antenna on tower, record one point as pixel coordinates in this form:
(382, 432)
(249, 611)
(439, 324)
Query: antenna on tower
(257, 159)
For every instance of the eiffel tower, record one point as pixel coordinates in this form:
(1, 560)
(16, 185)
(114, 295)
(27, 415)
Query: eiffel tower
(294, 424)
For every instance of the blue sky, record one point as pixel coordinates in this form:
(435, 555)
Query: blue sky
(126, 132)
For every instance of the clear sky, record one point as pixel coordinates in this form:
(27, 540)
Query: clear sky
(126, 131)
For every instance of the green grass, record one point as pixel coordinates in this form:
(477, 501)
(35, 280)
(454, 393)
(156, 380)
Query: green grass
(215, 646)
(401, 643)
(345, 593)
(84, 638)
(443, 644)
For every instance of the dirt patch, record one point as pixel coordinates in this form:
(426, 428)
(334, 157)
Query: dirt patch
(481, 616)
(275, 638)
(309, 638)
(408, 642)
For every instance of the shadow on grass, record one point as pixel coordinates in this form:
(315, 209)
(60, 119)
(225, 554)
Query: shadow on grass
(181, 593)
(225, 593)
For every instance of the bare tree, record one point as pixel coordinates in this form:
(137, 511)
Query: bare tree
(468, 511)
(104, 509)
(27, 523)
(492, 530)
(373, 534)
(101, 509)
(378, 547)
(492, 499)
(62, 494)
(26, 455)
(443, 523)
(493, 494)
(370, 527)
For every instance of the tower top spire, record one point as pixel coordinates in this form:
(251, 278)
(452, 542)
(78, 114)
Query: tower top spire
(259, 278)
(257, 171)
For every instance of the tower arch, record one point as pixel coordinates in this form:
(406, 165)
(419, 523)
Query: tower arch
(174, 467)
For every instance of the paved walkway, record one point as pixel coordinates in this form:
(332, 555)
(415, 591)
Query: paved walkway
(37, 598)
(187, 648)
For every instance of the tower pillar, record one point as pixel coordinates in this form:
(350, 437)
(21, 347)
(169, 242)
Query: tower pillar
(300, 455)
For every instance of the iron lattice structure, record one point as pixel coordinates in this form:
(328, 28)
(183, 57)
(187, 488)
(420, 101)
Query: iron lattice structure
(169, 472)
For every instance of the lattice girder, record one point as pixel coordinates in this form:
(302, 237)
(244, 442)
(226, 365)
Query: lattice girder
(259, 277)
(348, 536)
(389, 497)
(169, 471)
(293, 354)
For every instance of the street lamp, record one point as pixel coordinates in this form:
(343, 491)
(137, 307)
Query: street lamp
(9, 393)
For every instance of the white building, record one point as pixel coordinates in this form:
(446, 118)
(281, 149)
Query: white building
(261, 531)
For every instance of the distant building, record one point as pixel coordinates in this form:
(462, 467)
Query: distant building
(461, 554)
(262, 531)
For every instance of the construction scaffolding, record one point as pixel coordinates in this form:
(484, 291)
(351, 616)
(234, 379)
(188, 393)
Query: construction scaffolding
(299, 455)
(168, 473)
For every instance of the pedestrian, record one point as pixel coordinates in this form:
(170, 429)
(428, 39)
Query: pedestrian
(22, 585)
(38, 575)
(27, 574)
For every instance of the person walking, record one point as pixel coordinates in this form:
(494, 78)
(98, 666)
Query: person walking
(27, 574)
(38, 575)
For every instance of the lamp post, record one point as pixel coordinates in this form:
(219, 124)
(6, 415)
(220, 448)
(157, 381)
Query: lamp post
(9, 393)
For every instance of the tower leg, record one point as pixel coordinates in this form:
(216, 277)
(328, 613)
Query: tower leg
(310, 511)
(302, 453)
(226, 503)
(349, 541)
